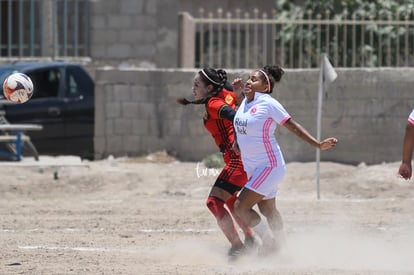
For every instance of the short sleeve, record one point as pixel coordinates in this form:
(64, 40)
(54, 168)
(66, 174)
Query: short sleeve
(216, 104)
(214, 107)
(411, 117)
(278, 112)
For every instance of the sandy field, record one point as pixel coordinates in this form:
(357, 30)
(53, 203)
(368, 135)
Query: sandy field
(148, 216)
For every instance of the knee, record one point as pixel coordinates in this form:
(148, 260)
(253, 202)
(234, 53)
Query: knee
(210, 203)
(268, 211)
(214, 204)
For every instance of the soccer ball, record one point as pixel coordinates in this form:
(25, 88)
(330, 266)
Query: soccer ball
(18, 88)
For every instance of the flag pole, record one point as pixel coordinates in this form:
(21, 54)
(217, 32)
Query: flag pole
(326, 74)
(318, 123)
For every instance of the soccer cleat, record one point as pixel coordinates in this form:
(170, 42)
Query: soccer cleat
(250, 242)
(236, 251)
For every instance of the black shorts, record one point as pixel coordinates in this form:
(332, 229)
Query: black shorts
(227, 186)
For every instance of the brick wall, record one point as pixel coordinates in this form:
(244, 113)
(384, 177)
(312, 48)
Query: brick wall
(366, 109)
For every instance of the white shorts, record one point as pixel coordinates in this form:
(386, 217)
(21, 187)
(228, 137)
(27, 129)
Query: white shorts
(265, 181)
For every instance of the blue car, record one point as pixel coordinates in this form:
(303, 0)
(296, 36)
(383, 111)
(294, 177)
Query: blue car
(63, 102)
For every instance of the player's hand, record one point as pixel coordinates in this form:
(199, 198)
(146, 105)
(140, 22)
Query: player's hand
(328, 143)
(236, 147)
(238, 85)
(405, 171)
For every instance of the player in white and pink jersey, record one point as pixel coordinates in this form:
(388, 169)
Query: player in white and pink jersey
(405, 170)
(255, 123)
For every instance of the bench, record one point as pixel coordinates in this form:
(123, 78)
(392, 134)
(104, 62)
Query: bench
(13, 138)
(13, 134)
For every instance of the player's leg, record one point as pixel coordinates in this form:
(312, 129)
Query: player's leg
(248, 232)
(237, 178)
(215, 204)
(269, 210)
(244, 209)
(274, 219)
(261, 186)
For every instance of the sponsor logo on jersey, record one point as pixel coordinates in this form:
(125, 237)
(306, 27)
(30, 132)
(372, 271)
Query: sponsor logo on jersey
(229, 99)
(241, 126)
(253, 110)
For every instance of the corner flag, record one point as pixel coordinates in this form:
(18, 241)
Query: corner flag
(327, 75)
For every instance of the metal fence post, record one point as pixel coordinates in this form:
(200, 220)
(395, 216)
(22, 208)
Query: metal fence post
(47, 24)
(219, 39)
(201, 43)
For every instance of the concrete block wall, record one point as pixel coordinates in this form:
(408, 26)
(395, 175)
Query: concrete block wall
(144, 33)
(366, 109)
(136, 113)
(130, 31)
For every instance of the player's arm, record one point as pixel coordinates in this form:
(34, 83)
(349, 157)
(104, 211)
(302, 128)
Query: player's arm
(218, 109)
(302, 133)
(408, 145)
(227, 112)
(235, 146)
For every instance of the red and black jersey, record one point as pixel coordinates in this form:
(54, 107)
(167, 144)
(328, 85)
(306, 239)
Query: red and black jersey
(220, 128)
(220, 110)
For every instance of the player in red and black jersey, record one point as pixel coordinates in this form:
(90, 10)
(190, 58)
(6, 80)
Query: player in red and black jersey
(212, 89)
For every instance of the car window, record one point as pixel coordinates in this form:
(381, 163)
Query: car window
(73, 88)
(78, 82)
(45, 82)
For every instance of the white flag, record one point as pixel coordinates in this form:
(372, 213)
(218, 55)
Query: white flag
(329, 73)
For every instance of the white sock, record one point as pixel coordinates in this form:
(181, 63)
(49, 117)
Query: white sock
(263, 231)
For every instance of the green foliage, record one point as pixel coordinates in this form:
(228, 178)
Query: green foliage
(214, 161)
(361, 8)
(368, 53)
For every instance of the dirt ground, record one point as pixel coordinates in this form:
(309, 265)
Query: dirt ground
(148, 216)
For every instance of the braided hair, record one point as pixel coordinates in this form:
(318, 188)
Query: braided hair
(274, 73)
(217, 78)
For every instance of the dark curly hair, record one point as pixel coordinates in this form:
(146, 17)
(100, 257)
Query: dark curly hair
(274, 72)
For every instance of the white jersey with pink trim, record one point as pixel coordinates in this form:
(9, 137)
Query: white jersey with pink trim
(411, 117)
(255, 123)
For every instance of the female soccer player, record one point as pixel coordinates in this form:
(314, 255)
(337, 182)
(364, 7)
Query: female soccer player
(255, 123)
(405, 170)
(220, 106)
